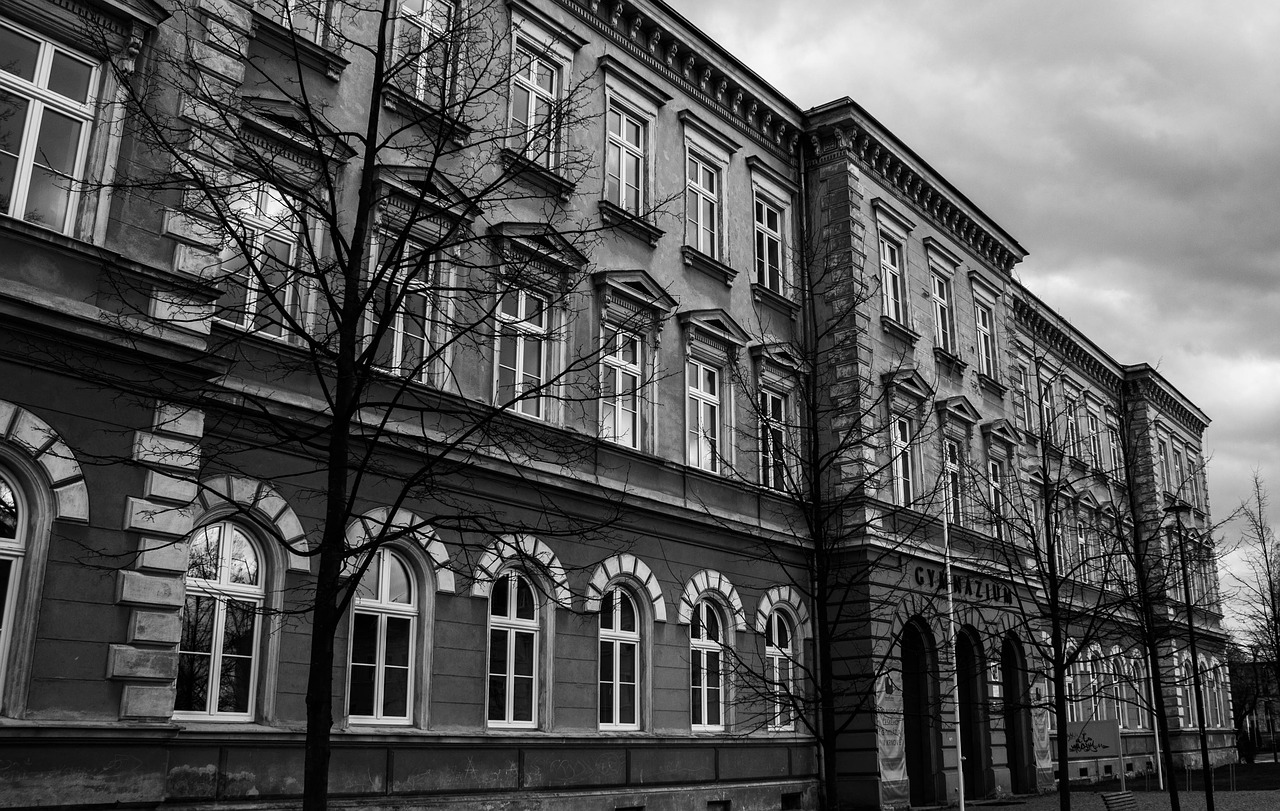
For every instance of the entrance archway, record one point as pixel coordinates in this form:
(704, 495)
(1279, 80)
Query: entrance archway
(974, 737)
(921, 730)
(1017, 716)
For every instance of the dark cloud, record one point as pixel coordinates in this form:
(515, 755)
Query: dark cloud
(1130, 147)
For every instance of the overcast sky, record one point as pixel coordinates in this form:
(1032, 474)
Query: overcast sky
(1132, 148)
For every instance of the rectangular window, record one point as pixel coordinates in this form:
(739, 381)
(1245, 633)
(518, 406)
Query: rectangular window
(262, 289)
(305, 18)
(995, 496)
(620, 390)
(1095, 440)
(523, 337)
(769, 273)
(1023, 397)
(1116, 450)
(424, 47)
(775, 416)
(1179, 474)
(535, 91)
(893, 282)
(902, 465)
(943, 318)
(406, 278)
(46, 111)
(626, 159)
(704, 416)
(702, 207)
(1166, 475)
(951, 480)
(1048, 411)
(1073, 425)
(985, 319)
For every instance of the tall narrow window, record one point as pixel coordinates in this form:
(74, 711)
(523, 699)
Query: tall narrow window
(423, 36)
(1166, 475)
(305, 18)
(706, 671)
(407, 281)
(513, 653)
(902, 466)
(1179, 474)
(702, 207)
(1073, 425)
(1024, 399)
(382, 643)
(217, 662)
(46, 110)
(262, 285)
(1095, 440)
(619, 661)
(625, 160)
(13, 521)
(523, 334)
(620, 394)
(995, 496)
(1116, 451)
(703, 416)
(774, 444)
(951, 480)
(943, 314)
(769, 246)
(780, 664)
(893, 282)
(985, 320)
(535, 89)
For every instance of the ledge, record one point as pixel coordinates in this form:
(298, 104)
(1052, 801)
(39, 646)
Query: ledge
(948, 360)
(306, 53)
(549, 180)
(992, 385)
(899, 330)
(714, 268)
(618, 217)
(399, 101)
(776, 301)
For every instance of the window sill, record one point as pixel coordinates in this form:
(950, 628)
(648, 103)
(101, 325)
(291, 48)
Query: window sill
(991, 385)
(714, 268)
(399, 101)
(306, 53)
(948, 361)
(549, 180)
(899, 330)
(618, 217)
(774, 300)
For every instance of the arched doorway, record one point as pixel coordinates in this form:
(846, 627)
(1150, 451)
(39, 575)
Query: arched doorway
(970, 672)
(1017, 717)
(921, 730)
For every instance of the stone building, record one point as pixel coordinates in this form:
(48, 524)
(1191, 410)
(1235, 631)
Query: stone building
(603, 601)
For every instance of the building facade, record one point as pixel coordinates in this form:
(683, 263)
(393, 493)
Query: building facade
(588, 439)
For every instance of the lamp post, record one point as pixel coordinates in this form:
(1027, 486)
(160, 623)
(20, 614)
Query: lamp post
(1177, 510)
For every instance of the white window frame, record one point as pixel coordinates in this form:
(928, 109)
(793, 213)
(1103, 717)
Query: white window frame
(995, 496)
(893, 269)
(308, 19)
(514, 627)
(776, 446)
(703, 236)
(618, 641)
(41, 100)
(902, 463)
(704, 696)
(780, 670)
(619, 145)
(952, 480)
(944, 303)
(12, 551)
(433, 21)
(705, 416)
(384, 611)
(518, 328)
(222, 591)
(771, 275)
(527, 59)
(1162, 455)
(1095, 439)
(265, 213)
(614, 371)
(394, 284)
(985, 321)
(1072, 414)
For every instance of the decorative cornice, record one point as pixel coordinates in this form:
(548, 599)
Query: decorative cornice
(661, 50)
(1143, 381)
(1036, 323)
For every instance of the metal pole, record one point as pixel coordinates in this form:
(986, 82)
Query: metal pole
(1205, 766)
(1151, 702)
(955, 653)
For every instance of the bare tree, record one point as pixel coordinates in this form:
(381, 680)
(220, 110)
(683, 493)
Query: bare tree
(1258, 592)
(345, 267)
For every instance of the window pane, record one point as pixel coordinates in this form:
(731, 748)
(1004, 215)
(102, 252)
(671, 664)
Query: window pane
(237, 638)
(360, 699)
(606, 610)
(8, 516)
(399, 585)
(497, 698)
(500, 596)
(193, 683)
(20, 54)
(399, 641)
(58, 142)
(524, 599)
(498, 652)
(364, 639)
(197, 624)
(627, 622)
(244, 560)
(395, 693)
(235, 683)
(47, 198)
(69, 77)
(522, 700)
(524, 655)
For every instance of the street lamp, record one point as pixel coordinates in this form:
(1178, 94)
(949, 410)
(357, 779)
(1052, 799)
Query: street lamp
(1177, 511)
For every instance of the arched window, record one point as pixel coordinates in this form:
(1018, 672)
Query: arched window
(779, 661)
(217, 657)
(619, 661)
(513, 652)
(706, 667)
(13, 521)
(383, 619)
